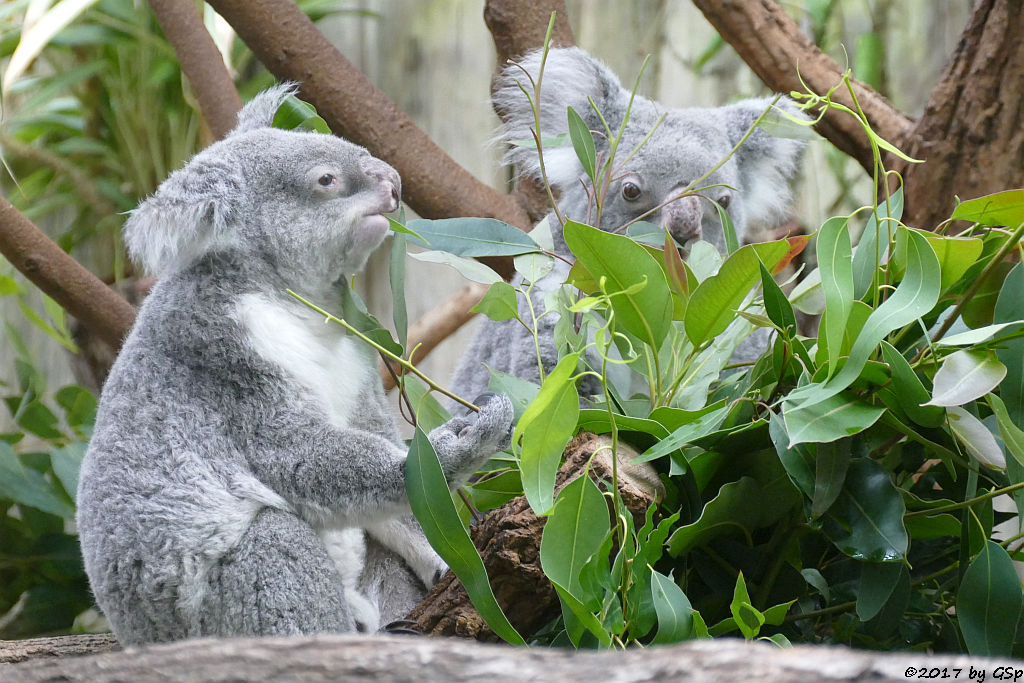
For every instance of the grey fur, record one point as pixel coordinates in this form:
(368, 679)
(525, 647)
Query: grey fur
(230, 478)
(687, 144)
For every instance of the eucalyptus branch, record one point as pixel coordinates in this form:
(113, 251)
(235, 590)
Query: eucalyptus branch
(409, 367)
(967, 503)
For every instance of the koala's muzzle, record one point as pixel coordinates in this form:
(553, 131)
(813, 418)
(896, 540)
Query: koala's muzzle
(682, 219)
(389, 183)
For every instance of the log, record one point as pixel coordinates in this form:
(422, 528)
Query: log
(403, 658)
(509, 542)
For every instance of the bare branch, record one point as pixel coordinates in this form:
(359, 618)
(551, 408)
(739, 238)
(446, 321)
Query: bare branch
(772, 44)
(518, 26)
(201, 62)
(437, 325)
(66, 281)
(291, 47)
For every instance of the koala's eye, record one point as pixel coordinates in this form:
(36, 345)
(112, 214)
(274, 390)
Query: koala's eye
(725, 200)
(326, 180)
(631, 191)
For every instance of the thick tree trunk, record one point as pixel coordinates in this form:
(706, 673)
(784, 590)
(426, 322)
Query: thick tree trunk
(402, 658)
(971, 134)
(509, 542)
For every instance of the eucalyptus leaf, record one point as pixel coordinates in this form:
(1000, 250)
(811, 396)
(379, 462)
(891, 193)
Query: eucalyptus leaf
(499, 303)
(975, 437)
(573, 533)
(877, 581)
(866, 522)
(675, 614)
(956, 255)
(435, 510)
(915, 296)
(989, 603)
(909, 391)
(1010, 306)
(829, 475)
(26, 486)
(836, 268)
(468, 268)
(965, 376)
(544, 430)
(396, 277)
(1002, 208)
(647, 313)
(472, 237)
(874, 242)
(1012, 435)
(833, 418)
(583, 144)
(294, 113)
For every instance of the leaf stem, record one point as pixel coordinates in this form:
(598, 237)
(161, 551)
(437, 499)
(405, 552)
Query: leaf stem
(967, 503)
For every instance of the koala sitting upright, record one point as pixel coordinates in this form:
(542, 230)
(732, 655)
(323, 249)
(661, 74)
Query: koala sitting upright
(753, 185)
(239, 439)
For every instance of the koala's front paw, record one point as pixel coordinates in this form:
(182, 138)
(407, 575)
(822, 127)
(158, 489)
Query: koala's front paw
(463, 444)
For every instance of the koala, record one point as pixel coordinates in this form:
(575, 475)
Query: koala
(753, 185)
(245, 476)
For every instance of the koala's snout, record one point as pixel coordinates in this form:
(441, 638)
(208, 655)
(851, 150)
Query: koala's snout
(682, 219)
(387, 177)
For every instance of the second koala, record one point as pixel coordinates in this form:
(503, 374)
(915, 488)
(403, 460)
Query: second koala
(243, 447)
(752, 186)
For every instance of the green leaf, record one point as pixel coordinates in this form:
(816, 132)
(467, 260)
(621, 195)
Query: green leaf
(712, 306)
(977, 336)
(797, 460)
(396, 278)
(545, 429)
(429, 412)
(36, 418)
(520, 391)
(647, 314)
(909, 391)
(776, 305)
(1012, 435)
(1002, 208)
(869, 59)
(354, 312)
(829, 475)
(774, 616)
(66, 463)
(499, 303)
(832, 418)
(675, 614)
(836, 268)
(26, 486)
(866, 521)
(472, 237)
(989, 603)
(573, 533)
(965, 376)
(877, 581)
(734, 509)
(294, 113)
(78, 403)
(747, 617)
(1010, 306)
(686, 433)
(466, 267)
(533, 266)
(975, 437)
(8, 286)
(915, 296)
(875, 238)
(956, 255)
(400, 229)
(583, 143)
(434, 508)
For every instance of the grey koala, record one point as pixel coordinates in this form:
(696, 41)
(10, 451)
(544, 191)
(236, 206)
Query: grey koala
(753, 186)
(244, 465)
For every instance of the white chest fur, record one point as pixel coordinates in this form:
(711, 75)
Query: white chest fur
(333, 367)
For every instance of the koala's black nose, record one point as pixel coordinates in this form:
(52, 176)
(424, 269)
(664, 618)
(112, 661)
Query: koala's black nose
(384, 174)
(682, 218)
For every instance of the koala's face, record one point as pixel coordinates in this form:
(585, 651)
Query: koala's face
(651, 184)
(752, 185)
(317, 202)
(310, 206)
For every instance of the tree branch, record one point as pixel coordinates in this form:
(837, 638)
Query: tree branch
(61, 277)
(291, 47)
(201, 62)
(775, 48)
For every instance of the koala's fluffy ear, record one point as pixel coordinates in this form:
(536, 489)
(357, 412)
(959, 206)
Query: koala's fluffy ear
(570, 77)
(259, 111)
(767, 163)
(190, 213)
